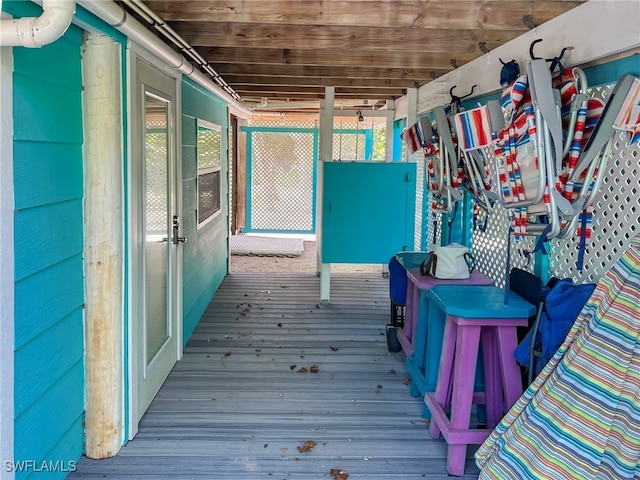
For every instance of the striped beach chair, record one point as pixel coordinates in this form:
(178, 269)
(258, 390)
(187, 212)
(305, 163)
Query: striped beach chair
(580, 418)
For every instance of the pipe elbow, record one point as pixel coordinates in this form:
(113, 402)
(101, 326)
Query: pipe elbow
(34, 32)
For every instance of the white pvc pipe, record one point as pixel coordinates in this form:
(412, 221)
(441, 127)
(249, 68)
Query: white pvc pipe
(34, 32)
(115, 16)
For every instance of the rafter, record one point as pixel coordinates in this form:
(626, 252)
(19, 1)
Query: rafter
(236, 81)
(456, 14)
(315, 71)
(338, 37)
(344, 58)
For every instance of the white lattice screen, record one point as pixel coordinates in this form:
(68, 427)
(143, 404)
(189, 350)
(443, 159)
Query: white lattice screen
(490, 247)
(615, 222)
(282, 181)
(615, 219)
(420, 199)
(156, 174)
(348, 141)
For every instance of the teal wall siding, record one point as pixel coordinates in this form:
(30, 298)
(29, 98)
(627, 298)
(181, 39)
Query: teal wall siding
(206, 250)
(49, 291)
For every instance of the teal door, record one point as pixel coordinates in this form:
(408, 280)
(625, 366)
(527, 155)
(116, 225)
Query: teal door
(368, 211)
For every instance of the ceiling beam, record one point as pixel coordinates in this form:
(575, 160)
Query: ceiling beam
(456, 14)
(313, 71)
(355, 91)
(341, 37)
(250, 94)
(345, 58)
(237, 81)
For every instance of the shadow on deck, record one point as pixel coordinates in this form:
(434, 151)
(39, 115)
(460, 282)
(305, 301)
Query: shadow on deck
(240, 405)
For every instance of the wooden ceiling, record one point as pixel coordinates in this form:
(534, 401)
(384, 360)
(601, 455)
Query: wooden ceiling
(284, 52)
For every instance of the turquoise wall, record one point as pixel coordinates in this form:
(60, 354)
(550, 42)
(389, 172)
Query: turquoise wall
(49, 291)
(206, 250)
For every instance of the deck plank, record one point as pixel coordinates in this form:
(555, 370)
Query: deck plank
(237, 407)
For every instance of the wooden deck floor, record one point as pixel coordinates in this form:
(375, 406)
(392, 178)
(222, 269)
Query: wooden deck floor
(238, 406)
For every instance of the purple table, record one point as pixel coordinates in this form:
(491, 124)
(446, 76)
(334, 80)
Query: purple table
(413, 337)
(474, 316)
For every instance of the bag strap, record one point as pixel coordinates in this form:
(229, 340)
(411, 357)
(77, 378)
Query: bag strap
(471, 262)
(428, 265)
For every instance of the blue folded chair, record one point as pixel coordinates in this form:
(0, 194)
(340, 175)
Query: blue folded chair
(397, 291)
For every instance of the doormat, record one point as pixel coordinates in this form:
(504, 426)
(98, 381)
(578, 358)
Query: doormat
(266, 246)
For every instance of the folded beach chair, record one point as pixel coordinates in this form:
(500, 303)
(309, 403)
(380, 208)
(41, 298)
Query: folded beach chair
(446, 166)
(580, 417)
(551, 156)
(475, 132)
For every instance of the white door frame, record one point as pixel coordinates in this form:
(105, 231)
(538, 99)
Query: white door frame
(135, 267)
(7, 340)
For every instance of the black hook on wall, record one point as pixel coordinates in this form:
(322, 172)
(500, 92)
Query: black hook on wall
(555, 61)
(456, 100)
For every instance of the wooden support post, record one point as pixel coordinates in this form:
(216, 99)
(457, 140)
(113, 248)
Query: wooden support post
(103, 263)
(412, 116)
(241, 176)
(326, 154)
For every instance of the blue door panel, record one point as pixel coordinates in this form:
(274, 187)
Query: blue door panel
(368, 211)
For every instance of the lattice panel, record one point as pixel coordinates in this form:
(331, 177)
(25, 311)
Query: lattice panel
(615, 219)
(420, 199)
(282, 181)
(434, 227)
(231, 172)
(156, 175)
(615, 222)
(287, 124)
(348, 146)
(490, 246)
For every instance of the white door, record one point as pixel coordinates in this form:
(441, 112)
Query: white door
(154, 293)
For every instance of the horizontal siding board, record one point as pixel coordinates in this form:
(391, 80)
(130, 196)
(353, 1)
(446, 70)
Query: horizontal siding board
(197, 308)
(236, 407)
(66, 453)
(46, 112)
(46, 173)
(189, 163)
(196, 299)
(63, 55)
(48, 247)
(205, 253)
(41, 362)
(189, 195)
(198, 102)
(61, 293)
(189, 131)
(47, 235)
(39, 428)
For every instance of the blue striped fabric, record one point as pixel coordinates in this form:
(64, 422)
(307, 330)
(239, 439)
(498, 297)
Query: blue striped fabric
(580, 419)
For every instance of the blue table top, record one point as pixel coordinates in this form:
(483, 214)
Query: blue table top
(480, 301)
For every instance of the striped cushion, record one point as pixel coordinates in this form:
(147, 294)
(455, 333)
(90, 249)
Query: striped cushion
(474, 128)
(580, 419)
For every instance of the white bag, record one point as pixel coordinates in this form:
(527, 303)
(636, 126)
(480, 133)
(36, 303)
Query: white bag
(451, 262)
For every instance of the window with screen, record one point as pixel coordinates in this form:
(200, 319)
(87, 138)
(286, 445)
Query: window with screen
(209, 179)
